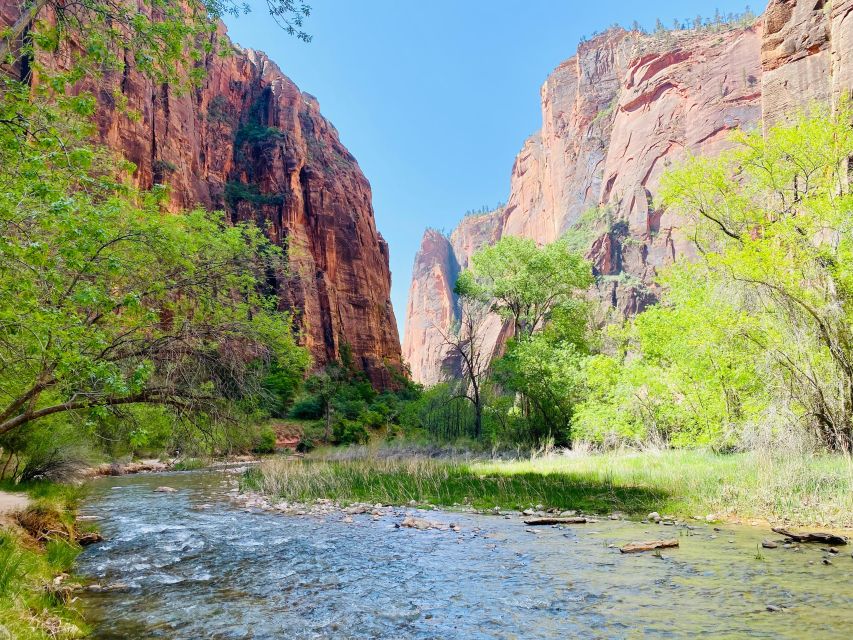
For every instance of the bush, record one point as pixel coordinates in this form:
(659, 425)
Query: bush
(307, 408)
(266, 441)
(350, 432)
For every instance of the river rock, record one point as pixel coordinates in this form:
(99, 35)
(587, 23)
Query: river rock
(558, 520)
(769, 544)
(654, 516)
(651, 545)
(89, 537)
(165, 490)
(357, 509)
(421, 524)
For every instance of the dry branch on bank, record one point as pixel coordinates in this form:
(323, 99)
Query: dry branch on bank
(820, 536)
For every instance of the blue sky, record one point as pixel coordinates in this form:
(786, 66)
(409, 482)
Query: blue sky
(435, 98)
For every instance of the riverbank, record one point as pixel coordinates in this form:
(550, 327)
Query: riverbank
(797, 489)
(38, 546)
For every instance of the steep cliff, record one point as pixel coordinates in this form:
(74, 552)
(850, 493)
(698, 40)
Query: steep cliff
(432, 306)
(625, 108)
(248, 141)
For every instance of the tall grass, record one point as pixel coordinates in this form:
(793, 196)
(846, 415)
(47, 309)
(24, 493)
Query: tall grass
(801, 489)
(13, 566)
(41, 546)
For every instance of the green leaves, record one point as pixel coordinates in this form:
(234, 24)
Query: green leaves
(760, 326)
(525, 283)
(105, 302)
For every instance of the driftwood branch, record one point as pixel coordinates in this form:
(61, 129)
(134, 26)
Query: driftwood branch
(824, 538)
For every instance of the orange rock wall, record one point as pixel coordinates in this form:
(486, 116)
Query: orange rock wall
(248, 141)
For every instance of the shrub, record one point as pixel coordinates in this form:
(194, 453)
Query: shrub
(266, 441)
(307, 408)
(239, 192)
(349, 432)
(255, 133)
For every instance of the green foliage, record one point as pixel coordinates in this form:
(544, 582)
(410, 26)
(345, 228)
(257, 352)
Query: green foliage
(51, 449)
(538, 289)
(349, 432)
(265, 442)
(308, 407)
(581, 235)
(753, 340)
(13, 566)
(349, 406)
(236, 192)
(257, 134)
(116, 306)
(100, 288)
(525, 283)
(29, 608)
(282, 383)
(547, 374)
(219, 110)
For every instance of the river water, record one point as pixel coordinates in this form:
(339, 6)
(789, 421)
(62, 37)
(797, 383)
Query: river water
(192, 565)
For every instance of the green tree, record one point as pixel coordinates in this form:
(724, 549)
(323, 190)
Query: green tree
(107, 302)
(525, 283)
(757, 332)
(538, 290)
(324, 386)
(465, 348)
(546, 369)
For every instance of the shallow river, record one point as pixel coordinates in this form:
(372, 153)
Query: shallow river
(192, 565)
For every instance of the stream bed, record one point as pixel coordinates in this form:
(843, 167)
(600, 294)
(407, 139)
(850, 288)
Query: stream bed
(193, 564)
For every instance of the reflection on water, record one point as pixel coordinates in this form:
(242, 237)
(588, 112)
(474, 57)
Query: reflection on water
(191, 565)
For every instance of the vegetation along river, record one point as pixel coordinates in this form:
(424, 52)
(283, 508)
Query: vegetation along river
(193, 564)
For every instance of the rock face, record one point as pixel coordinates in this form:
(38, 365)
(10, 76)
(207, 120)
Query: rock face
(249, 142)
(807, 55)
(432, 306)
(615, 116)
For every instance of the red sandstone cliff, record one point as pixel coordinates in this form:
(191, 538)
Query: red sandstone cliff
(248, 141)
(617, 115)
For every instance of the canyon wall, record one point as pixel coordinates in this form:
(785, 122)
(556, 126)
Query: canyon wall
(615, 116)
(248, 141)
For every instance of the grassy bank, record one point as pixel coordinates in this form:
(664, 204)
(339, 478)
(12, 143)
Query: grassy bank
(795, 488)
(37, 549)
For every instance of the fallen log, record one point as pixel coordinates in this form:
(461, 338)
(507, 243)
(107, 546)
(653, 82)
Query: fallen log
(533, 522)
(825, 538)
(651, 545)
